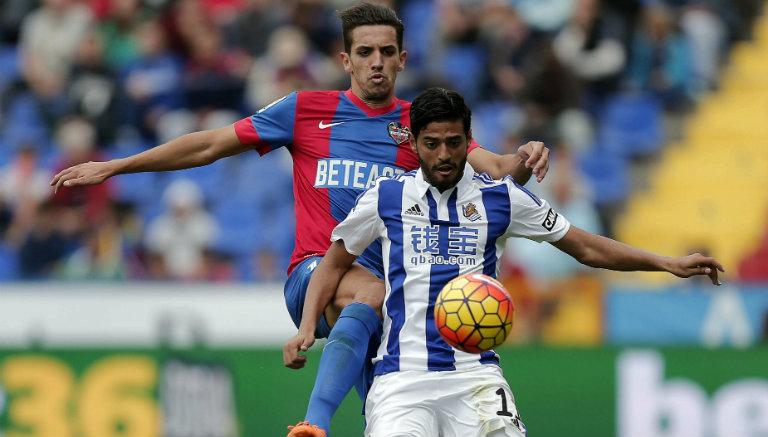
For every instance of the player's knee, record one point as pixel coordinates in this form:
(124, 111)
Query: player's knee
(373, 299)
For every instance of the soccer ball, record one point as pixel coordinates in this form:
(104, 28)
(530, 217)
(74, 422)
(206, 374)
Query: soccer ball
(473, 313)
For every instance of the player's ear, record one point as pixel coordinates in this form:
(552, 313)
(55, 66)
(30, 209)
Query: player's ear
(403, 57)
(346, 62)
(413, 143)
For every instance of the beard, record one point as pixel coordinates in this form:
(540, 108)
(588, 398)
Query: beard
(380, 93)
(440, 182)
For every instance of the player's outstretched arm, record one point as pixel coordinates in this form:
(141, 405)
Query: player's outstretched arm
(322, 286)
(531, 158)
(601, 252)
(187, 151)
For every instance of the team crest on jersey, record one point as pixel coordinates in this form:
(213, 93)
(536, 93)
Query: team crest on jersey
(470, 212)
(401, 134)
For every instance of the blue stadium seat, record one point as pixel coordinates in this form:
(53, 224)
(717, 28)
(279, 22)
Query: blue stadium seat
(631, 124)
(463, 66)
(238, 226)
(9, 268)
(607, 173)
(418, 17)
(24, 124)
(9, 65)
(492, 121)
(141, 189)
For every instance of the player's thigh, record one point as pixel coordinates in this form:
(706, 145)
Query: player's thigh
(396, 407)
(357, 285)
(484, 407)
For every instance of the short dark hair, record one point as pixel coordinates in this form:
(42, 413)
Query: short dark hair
(439, 104)
(368, 14)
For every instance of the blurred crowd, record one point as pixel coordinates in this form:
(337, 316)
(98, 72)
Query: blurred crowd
(600, 82)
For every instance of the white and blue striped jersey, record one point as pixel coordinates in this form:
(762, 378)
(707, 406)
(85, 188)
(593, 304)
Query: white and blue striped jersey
(429, 238)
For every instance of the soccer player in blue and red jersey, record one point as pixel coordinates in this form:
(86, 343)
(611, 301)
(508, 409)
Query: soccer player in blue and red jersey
(340, 141)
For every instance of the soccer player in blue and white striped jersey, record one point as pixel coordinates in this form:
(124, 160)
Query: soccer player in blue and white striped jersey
(434, 224)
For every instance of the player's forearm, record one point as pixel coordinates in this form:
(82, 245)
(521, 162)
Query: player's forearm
(186, 151)
(513, 165)
(322, 287)
(500, 166)
(601, 252)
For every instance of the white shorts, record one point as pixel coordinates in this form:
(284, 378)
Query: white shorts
(467, 403)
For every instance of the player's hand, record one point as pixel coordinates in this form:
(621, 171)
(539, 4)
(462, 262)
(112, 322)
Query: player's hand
(536, 156)
(301, 342)
(89, 173)
(696, 264)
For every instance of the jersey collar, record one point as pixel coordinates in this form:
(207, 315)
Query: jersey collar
(464, 184)
(371, 112)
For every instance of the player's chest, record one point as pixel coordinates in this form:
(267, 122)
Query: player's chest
(353, 135)
(443, 232)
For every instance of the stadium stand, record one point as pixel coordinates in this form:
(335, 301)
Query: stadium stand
(724, 146)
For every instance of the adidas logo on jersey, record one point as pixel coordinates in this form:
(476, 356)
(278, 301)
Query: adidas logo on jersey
(415, 210)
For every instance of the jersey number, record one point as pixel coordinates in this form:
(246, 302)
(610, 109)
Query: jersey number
(503, 411)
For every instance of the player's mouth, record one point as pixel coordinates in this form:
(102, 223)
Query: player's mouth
(378, 78)
(445, 170)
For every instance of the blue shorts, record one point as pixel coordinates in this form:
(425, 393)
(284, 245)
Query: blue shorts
(295, 291)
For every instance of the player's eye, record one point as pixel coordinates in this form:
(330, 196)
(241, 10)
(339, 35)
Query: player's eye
(364, 52)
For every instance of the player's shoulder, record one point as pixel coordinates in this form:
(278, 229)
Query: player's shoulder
(309, 94)
(517, 193)
(404, 104)
(520, 195)
(399, 179)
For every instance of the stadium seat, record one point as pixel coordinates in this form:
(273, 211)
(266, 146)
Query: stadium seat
(23, 123)
(631, 124)
(418, 17)
(9, 65)
(238, 226)
(8, 264)
(607, 173)
(463, 66)
(492, 121)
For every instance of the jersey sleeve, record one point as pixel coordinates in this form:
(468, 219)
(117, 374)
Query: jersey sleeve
(271, 127)
(473, 145)
(363, 225)
(533, 218)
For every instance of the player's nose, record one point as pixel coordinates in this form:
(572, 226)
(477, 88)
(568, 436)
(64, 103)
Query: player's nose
(377, 60)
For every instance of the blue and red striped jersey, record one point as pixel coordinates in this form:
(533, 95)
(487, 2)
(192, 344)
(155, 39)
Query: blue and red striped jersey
(339, 146)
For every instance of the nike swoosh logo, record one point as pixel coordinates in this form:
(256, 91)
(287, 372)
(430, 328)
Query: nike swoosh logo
(326, 126)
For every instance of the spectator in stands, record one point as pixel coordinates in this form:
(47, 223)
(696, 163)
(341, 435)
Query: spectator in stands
(288, 65)
(50, 238)
(11, 14)
(104, 252)
(661, 59)
(23, 188)
(92, 90)
(213, 78)
(591, 47)
(568, 195)
(152, 81)
(76, 139)
(257, 14)
(49, 39)
(545, 15)
(706, 33)
(317, 19)
(179, 238)
(511, 48)
(119, 30)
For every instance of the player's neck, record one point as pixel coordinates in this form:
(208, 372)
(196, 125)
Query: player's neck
(373, 103)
